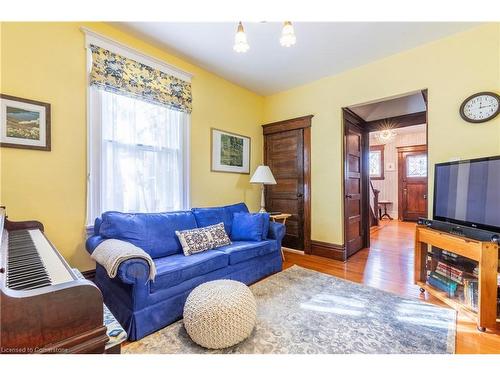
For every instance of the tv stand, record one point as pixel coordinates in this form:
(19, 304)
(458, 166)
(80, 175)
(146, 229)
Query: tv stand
(485, 253)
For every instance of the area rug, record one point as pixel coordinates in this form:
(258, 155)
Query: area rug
(304, 311)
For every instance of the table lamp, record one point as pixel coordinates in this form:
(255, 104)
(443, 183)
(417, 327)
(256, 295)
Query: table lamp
(264, 176)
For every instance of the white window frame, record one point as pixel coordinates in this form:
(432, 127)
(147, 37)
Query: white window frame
(94, 131)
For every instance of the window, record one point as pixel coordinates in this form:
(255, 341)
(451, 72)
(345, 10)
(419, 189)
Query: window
(138, 151)
(416, 165)
(376, 160)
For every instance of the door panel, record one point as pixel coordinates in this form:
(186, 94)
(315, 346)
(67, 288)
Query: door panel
(355, 151)
(285, 156)
(412, 172)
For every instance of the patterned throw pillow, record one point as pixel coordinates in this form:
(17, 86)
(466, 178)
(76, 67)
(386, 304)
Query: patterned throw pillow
(200, 239)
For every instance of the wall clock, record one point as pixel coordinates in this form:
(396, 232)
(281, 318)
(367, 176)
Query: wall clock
(480, 107)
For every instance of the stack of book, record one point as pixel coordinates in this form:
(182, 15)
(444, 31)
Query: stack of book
(446, 278)
(470, 293)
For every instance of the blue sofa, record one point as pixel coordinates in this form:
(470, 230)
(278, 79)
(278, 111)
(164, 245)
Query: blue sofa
(143, 306)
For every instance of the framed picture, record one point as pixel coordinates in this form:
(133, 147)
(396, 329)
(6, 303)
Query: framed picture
(24, 123)
(230, 152)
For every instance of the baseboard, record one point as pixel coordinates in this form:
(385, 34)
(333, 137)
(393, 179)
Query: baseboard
(89, 275)
(287, 249)
(328, 250)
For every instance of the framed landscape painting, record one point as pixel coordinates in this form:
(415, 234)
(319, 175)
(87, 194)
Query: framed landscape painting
(230, 152)
(24, 123)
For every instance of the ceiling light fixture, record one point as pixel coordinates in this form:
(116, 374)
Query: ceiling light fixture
(288, 37)
(386, 132)
(240, 40)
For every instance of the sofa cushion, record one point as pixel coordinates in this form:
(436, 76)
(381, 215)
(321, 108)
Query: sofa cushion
(201, 239)
(230, 211)
(247, 226)
(152, 232)
(239, 251)
(214, 215)
(175, 269)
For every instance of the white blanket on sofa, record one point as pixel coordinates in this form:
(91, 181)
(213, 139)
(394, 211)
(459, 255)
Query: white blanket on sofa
(111, 253)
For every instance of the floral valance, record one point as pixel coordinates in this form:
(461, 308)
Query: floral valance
(125, 76)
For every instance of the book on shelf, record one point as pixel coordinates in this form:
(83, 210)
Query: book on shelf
(471, 293)
(450, 272)
(443, 283)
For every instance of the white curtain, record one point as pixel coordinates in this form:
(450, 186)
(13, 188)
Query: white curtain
(138, 155)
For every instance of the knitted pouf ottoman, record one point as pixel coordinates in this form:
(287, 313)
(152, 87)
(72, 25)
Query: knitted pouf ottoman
(219, 314)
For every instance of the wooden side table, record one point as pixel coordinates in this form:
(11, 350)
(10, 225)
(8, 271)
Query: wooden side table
(282, 217)
(383, 204)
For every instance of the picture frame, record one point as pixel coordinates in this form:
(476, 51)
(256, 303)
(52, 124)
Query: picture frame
(24, 123)
(230, 152)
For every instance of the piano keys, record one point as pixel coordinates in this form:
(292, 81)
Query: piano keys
(44, 306)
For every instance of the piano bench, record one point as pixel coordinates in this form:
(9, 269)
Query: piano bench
(114, 330)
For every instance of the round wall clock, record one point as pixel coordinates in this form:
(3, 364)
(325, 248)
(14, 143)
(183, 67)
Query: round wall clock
(480, 107)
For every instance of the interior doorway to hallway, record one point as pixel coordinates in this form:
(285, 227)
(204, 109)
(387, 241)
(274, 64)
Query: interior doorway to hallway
(385, 165)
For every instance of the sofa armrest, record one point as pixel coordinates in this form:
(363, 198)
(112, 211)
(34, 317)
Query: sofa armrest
(92, 242)
(134, 271)
(130, 271)
(276, 231)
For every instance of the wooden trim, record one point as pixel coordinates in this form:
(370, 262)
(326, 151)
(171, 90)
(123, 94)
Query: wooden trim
(380, 148)
(328, 250)
(307, 189)
(304, 123)
(351, 117)
(47, 146)
(89, 275)
(285, 125)
(412, 148)
(402, 121)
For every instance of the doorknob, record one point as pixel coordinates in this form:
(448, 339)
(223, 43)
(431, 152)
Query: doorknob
(425, 196)
(300, 195)
(348, 195)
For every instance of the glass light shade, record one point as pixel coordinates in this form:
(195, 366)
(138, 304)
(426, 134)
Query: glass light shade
(240, 40)
(288, 37)
(386, 135)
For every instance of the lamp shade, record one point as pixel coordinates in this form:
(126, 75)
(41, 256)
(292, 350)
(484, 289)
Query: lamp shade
(263, 175)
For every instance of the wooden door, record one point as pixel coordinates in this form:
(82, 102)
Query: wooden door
(356, 181)
(412, 172)
(286, 152)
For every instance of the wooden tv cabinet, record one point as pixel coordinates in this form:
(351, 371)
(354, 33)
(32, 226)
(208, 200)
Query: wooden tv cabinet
(485, 253)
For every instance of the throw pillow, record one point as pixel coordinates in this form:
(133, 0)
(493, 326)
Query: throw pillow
(201, 239)
(249, 226)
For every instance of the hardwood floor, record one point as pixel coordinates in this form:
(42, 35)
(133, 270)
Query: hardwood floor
(388, 265)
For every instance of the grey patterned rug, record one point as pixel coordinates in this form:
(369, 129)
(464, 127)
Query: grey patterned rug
(304, 311)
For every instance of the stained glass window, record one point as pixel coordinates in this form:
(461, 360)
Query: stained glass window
(416, 166)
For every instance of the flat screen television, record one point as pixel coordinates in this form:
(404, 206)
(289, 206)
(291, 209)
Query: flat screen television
(467, 193)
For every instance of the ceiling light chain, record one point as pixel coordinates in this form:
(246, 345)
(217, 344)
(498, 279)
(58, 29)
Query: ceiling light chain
(287, 38)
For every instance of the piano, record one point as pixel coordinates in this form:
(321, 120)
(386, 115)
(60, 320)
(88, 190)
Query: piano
(44, 306)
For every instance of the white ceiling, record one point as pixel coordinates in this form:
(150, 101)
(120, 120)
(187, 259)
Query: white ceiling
(399, 106)
(322, 49)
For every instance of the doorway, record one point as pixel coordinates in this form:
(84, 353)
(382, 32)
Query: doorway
(385, 165)
(412, 182)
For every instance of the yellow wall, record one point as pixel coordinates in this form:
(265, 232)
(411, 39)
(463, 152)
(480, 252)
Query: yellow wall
(47, 62)
(451, 69)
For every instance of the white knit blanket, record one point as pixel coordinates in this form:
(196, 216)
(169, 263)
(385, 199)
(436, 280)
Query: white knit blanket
(111, 253)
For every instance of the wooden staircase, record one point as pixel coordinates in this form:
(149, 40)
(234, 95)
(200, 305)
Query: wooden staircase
(374, 220)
